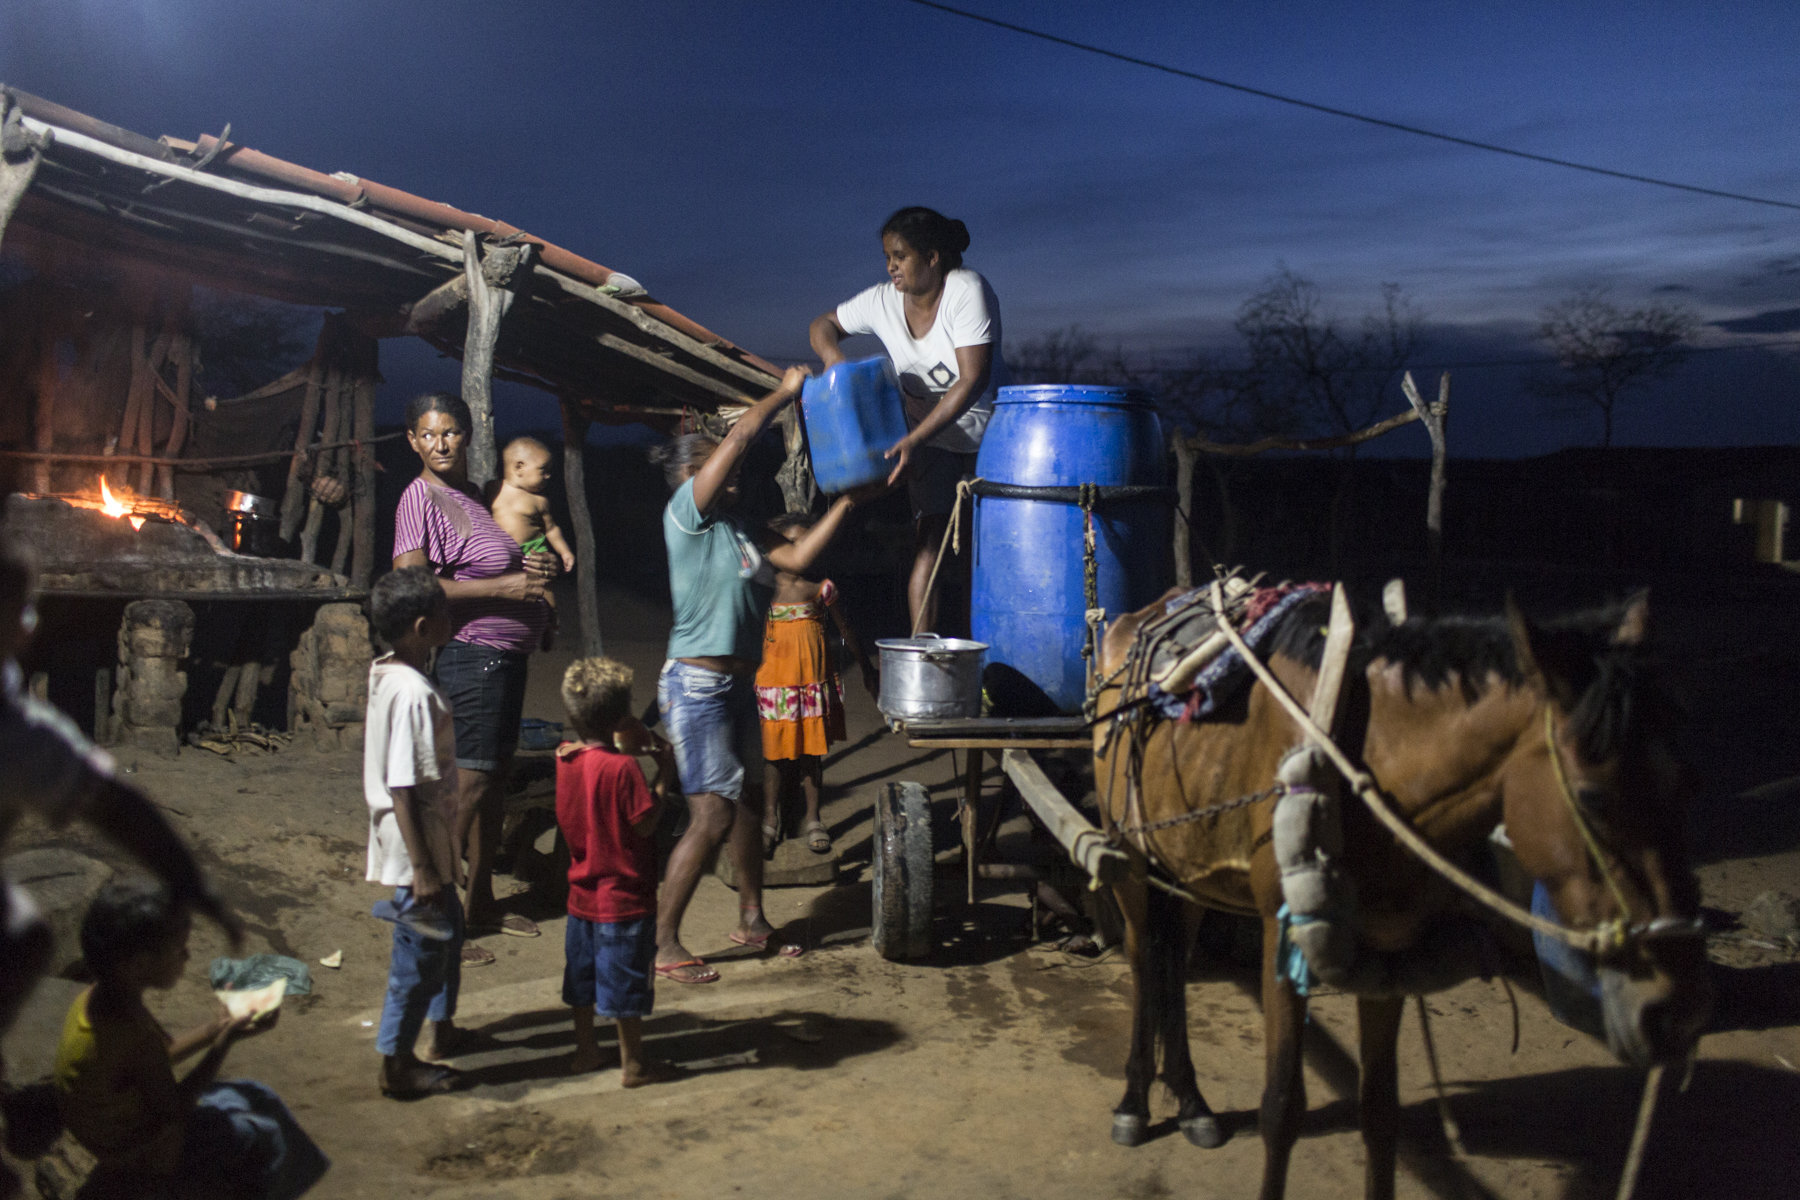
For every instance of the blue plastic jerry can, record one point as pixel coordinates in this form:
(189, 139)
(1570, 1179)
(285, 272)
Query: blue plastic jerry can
(853, 415)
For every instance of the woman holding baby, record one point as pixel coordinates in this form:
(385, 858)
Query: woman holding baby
(500, 614)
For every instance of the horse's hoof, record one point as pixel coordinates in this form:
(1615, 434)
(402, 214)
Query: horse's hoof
(1130, 1130)
(1203, 1132)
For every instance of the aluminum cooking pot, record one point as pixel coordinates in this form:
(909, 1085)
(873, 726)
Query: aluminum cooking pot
(930, 677)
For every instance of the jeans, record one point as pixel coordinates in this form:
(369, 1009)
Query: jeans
(242, 1141)
(712, 723)
(608, 966)
(423, 976)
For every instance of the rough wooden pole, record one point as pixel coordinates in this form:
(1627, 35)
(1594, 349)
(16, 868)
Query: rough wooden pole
(340, 470)
(20, 152)
(293, 502)
(315, 511)
(795, 475)
(575, 427)
(134, 396)
(362, 558)
(1435, 417)
(1184, 512)
(146, 430)
(489, 275)
(182, 351)
(46, 401)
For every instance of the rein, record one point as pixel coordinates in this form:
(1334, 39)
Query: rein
(1606, 937)
(1568, 795)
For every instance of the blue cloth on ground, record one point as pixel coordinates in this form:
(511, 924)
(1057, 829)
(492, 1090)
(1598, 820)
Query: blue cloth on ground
(260, 970)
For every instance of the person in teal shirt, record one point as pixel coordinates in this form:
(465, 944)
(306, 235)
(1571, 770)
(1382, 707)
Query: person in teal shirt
(721, 578)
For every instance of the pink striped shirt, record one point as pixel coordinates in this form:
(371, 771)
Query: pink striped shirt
(484, 551)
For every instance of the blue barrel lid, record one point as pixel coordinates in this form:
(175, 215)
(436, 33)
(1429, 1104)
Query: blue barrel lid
(1074, 393)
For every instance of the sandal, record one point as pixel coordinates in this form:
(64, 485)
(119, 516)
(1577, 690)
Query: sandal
(704, 974)
(785, 950)
(818, 838)
(476, 956)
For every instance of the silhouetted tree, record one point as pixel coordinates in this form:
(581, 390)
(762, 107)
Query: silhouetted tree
(1060, 356)
(1310, 376)
(1605, 352)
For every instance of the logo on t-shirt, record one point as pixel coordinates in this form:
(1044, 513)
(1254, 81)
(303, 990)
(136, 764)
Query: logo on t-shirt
(941, 376)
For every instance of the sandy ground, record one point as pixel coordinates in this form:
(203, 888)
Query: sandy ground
(988, 1071)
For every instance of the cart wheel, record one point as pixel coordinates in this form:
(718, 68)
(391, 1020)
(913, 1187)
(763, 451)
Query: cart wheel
(903, 856)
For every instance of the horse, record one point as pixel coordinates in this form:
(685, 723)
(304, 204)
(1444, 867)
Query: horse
(1462, 722)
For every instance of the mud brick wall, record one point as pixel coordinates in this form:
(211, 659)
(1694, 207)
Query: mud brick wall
(328, 692)
(153, 640)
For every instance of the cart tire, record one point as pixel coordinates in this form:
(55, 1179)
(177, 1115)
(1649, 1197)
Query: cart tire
(902, 866)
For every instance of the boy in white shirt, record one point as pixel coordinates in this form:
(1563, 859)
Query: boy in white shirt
(409, 780)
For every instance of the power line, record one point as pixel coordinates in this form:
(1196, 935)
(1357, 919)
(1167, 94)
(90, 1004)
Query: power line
(1347, 114)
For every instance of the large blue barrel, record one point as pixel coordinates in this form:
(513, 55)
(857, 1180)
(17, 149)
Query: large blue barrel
(1028, 603)
(853, 414)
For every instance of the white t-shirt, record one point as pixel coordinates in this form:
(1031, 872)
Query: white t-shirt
(968, 315)
(409, 741)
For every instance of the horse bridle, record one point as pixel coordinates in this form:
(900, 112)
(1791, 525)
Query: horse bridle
(1619, 931)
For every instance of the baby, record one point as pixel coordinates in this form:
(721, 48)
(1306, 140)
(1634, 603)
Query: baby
(520, 506)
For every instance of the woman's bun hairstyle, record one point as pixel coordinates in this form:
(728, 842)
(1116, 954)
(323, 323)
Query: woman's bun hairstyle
(926, 229)
(448, 403)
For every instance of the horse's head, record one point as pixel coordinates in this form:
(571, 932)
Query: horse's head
(1593, 801)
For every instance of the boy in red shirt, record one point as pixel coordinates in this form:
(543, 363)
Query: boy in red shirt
(607, 813)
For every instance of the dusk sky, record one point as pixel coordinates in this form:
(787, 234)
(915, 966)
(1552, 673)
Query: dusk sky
(738, 158)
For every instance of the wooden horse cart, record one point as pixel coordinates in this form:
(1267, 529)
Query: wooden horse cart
(905, 856)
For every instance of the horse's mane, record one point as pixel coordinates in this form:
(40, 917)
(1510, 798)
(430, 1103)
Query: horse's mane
(1612, 685)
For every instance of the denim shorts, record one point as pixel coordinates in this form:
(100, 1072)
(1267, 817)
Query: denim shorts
(932, 484)
(608, 966)
(486, 691)
(712, 723)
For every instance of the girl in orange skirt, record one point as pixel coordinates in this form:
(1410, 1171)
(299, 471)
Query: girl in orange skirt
(798, 695)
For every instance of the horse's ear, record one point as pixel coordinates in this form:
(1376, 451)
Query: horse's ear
(1520, 629)
(1634, 626)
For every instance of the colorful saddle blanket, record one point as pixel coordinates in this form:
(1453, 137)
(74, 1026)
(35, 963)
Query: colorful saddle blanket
(1254, 611)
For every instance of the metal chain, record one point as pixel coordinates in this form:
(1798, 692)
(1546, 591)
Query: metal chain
(1088, 496)
(1200, 814)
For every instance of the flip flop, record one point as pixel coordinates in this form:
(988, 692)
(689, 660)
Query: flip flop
(517, 926)
(785, 950)
(476, 956)
(705, 975)
(818, 838)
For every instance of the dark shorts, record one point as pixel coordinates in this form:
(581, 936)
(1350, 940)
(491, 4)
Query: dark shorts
(932, 484)
(610, 966)
(486, 691)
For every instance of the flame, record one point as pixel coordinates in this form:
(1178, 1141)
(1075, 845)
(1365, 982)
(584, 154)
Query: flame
(111, 507)
(136, 522)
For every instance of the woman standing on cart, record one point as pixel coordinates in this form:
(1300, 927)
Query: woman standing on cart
(940, 323)
(721, 581)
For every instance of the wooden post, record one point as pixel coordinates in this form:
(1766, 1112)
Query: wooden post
(1435, 417)
(146, 430)
(20, 152)
(134, 396)
(182, 351)
(340, 463)
(795, 475)
(575, 427)
(293, 502)
(362, 559)
(491, 276)
(46, 400)
(315, 511)
(1184, 512)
